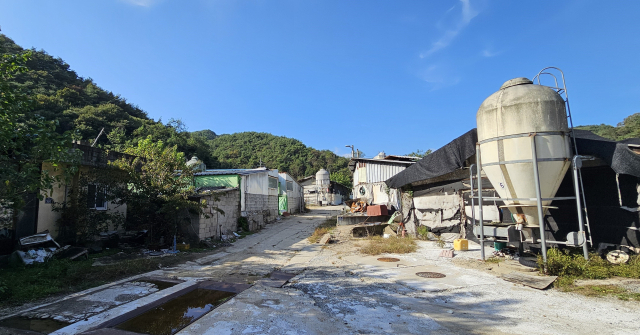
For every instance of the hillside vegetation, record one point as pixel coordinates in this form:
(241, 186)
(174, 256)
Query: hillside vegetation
(78, 104)
(628, 128)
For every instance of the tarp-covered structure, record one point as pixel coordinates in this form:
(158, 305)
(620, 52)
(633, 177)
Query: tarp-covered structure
(611, 187)
(455, 155)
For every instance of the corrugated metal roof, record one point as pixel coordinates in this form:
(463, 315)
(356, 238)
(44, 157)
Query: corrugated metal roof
(353, 162)
(242, 172)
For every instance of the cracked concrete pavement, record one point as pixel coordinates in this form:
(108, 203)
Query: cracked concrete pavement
(336, 290)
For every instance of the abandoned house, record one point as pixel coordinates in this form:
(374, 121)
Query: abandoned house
(369, 175)
(39, 216)
(249, 193)
(319, 190)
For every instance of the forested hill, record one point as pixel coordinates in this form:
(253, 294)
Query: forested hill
(78, 104)
(246, 150)
(628, 128)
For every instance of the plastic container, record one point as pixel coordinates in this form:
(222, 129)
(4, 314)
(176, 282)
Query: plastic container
(499, 245)
(461, 244)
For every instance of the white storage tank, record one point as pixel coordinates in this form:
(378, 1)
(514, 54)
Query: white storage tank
(506, 120)
(322, 178)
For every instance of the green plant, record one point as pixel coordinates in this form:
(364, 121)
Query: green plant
(423, 232)
(243, 223)
(440, 242)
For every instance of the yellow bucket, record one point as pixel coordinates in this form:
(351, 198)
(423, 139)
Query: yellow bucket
(461, 244)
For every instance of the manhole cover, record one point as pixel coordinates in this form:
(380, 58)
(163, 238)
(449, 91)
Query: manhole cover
(430, 275)
(388, 259)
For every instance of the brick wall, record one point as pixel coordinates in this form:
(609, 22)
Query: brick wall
(217, 223)
(260, 209)
(294, 205)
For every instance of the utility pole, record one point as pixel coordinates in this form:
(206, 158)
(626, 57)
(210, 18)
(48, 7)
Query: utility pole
(352, 151)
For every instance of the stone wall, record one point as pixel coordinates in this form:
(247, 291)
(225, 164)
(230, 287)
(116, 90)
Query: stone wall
(260, 209)
(294, 205)
(216, 223)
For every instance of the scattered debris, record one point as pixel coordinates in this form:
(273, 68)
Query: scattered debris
(447, 253)
(507, 253)
(326, 238)
(74, 253)
(537, 282)
(617, 257)
(358, 207)
(39, 240)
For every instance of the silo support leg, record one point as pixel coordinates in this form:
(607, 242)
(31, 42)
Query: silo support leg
(536, 181)
(577, 164)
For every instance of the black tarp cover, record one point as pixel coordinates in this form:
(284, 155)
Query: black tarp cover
(453, 155)
(440, 162)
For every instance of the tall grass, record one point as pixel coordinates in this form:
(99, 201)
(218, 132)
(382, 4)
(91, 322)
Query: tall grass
(393, 245)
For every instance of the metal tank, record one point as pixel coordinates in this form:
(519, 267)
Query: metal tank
(322, 178)
(506, 121)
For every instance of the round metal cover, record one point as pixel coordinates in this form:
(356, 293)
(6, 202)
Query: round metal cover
(430, 275)
(515, 82)
(388, 259)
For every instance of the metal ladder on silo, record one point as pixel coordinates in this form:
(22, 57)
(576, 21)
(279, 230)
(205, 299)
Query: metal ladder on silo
(576, 163)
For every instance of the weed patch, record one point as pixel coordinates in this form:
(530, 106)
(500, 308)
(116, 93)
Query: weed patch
(392, 245)
(317, 235)
(20, 284)
(494, 260)
(570, 265)
(325, 227)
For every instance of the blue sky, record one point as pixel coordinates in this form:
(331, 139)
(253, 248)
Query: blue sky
(391, 76)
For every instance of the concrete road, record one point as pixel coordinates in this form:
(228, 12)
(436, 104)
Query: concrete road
(336, 290)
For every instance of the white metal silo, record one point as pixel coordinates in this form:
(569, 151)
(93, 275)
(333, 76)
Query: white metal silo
(506, 121)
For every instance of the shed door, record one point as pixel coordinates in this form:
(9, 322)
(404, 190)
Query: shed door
(283, 203)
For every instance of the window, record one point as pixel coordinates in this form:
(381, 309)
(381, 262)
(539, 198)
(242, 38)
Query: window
(289, 186)
(273, 182)
(96, 197)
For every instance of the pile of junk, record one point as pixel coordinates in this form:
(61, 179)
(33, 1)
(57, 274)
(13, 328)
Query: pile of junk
(42, 247)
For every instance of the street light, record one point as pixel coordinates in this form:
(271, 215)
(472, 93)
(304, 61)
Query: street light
(350, 146)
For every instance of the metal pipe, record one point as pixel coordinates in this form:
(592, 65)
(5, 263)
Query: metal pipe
(577, 164)
(473, 207)
(480, 217)
(536, 180)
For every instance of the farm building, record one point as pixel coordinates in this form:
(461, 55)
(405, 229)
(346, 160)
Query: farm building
(369, 175)
(290, 198)
(257, 198)
(320, 190)
(436, 192)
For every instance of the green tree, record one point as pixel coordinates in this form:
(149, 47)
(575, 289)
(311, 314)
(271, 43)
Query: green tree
(156, 187)
(343, 177)
(26, 140)
(419, 153)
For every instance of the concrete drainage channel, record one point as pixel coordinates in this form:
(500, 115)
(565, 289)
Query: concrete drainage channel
(161, 306)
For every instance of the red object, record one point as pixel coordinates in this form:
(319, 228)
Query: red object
(286, 214)
(376, 210)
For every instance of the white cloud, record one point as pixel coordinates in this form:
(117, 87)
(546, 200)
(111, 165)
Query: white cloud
(439, 76)
(141, 3)
(488, 53)
(452, 29)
